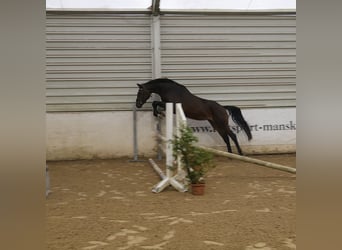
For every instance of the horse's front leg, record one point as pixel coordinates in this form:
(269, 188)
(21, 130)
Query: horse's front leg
(156, 105)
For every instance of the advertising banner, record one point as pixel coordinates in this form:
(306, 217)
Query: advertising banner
(269, 127)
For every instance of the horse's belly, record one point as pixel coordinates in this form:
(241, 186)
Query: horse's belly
(192, 114)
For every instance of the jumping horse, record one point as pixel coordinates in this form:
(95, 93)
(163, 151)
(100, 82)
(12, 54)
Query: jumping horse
(194, 107)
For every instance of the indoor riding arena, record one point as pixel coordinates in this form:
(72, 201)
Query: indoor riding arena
(105, 154)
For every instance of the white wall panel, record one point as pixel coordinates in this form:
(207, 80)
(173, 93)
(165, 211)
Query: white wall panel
(95, 60)
(218, 53)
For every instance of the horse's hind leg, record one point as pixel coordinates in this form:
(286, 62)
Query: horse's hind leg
(223, 133)
(234, 138)
(226, 140)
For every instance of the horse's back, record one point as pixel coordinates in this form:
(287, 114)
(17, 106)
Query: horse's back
(194, 107)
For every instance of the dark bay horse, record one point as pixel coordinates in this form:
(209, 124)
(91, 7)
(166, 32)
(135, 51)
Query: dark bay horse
(194, 107)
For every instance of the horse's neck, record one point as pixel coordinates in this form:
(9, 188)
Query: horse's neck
(153, 88)
(168, 94)
(162, 91)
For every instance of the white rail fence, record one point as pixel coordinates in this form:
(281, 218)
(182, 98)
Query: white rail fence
(173, 177)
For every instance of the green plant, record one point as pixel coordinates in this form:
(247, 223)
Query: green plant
(195, 161)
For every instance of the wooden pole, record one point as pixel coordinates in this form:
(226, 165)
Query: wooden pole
(251, 160)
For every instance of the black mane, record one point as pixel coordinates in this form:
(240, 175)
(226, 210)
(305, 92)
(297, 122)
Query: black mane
(164, 81)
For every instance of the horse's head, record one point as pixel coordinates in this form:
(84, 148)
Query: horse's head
(142, 96)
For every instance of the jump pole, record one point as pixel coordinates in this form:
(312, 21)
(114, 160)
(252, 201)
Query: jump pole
(251, 160)
(169, 178)
(135, 136)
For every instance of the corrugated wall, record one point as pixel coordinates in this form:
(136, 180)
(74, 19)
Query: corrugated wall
(95, 60)
(244, 60)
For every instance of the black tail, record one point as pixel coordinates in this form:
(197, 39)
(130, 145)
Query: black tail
(237, 117)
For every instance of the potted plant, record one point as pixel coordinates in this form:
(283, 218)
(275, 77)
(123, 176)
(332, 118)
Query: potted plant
(195, 161)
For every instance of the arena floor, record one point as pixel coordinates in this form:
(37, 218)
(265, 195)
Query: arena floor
(108, 204)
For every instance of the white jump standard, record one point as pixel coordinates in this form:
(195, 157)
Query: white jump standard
(170, 178)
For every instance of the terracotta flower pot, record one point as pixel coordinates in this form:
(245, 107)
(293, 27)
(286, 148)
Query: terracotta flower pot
(197, 189)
